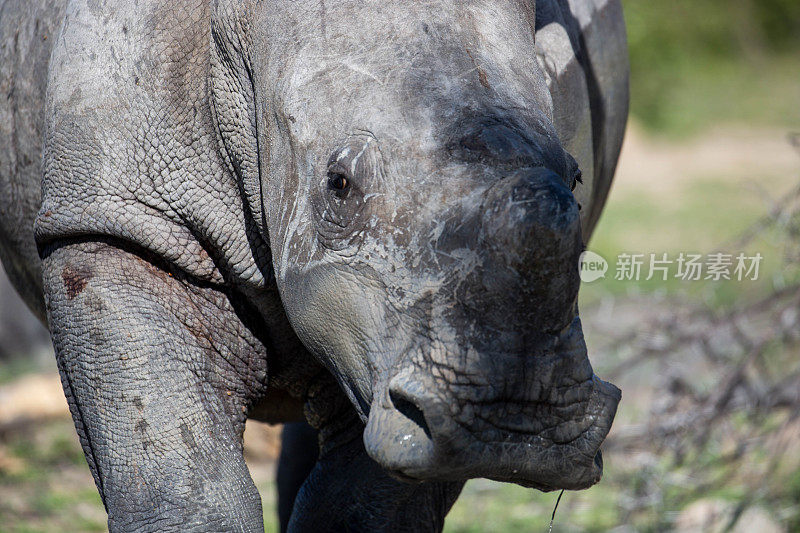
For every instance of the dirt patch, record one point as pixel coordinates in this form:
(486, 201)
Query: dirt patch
(75, 280)
(31, 399)
(752, 157)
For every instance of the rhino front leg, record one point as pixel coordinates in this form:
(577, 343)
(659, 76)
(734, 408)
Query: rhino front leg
(159, 374)
(348, 491)
(299, 452)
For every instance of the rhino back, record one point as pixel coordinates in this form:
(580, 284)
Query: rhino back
(28, 30)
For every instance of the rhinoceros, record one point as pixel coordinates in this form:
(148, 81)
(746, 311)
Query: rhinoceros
(367, 215)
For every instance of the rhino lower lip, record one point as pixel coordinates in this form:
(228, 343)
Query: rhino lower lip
(517, 454)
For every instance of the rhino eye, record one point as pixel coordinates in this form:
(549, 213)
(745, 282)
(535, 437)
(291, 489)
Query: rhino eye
(338, 182)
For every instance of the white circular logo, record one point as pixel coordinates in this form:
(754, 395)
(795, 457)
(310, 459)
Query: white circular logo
(592, 266)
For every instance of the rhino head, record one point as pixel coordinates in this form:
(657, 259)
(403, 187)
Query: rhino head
(425, 238)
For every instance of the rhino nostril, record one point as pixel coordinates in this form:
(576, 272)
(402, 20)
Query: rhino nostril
(410, 410)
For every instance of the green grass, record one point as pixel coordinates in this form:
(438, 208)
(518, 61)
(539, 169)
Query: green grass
(269, 501)
(16, 367)
(487, 506)
(685, 99)
(45, 484)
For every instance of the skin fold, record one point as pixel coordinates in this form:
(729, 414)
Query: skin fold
(365, 217)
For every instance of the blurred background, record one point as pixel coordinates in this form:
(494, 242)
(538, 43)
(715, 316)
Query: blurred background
(708, 433)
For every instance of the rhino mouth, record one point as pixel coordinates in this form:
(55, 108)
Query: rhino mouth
(424, 446)
(547, 445)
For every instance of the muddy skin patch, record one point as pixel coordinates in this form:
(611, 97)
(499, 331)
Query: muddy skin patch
(75, 280)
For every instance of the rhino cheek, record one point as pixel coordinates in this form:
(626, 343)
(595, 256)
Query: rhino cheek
(338, 317)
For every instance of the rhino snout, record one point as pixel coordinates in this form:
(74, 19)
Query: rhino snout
(539, 427)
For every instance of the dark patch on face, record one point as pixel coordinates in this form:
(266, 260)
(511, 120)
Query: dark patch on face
(499, 144)
(502, 142)
(75, 280)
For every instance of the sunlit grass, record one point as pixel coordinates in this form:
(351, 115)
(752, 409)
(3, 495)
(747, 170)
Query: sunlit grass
(487, 506)
(699, 63)
(45, 484)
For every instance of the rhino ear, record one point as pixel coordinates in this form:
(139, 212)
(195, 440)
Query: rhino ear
(233, 104)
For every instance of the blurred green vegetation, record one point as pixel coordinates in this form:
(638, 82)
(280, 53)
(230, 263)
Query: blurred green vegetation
(698, 63)
(44, 483)
(16, 367)
(709, 217)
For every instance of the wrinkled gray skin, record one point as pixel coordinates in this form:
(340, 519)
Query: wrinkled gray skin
(257, 209)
